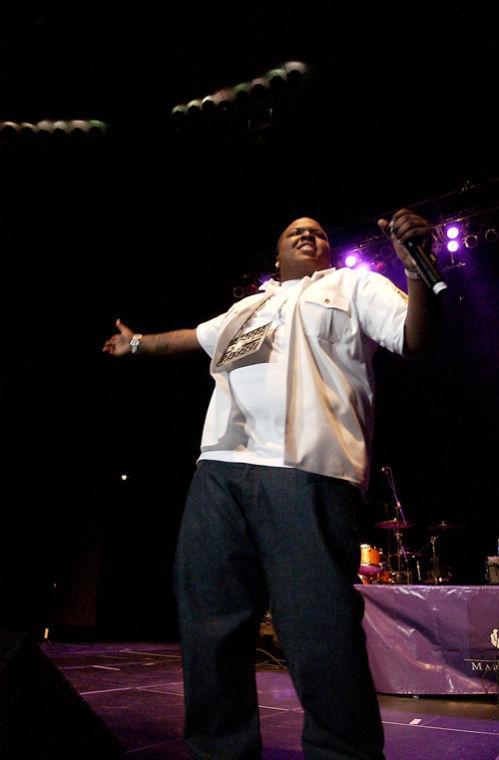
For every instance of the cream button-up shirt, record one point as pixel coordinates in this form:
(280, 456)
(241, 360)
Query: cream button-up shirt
(338, 318)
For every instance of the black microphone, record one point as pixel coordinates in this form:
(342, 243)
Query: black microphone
(426, 265)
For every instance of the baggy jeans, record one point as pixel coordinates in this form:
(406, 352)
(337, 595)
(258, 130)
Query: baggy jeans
(251, 532)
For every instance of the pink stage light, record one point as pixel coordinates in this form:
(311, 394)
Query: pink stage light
(351, 260)
(453, 246)
(452, 232)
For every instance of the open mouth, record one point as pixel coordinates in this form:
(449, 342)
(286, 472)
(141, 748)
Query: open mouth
(307, 247)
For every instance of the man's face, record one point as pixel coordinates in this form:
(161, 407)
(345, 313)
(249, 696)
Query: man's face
(303, 248)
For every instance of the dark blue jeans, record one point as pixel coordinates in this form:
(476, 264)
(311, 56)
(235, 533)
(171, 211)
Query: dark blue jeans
(250, 532)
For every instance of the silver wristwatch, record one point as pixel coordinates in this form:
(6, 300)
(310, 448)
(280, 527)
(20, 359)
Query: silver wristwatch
(135, 343)
(412, 274)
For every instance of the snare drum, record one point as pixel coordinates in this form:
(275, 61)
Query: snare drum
(370, 560)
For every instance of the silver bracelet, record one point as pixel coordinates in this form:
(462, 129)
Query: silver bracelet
(135, 343)
(412, 274)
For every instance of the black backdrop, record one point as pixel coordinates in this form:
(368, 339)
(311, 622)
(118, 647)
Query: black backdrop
(157, 226)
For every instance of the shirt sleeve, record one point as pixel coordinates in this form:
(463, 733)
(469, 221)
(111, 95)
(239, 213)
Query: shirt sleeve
(382, 309)
(207, 333)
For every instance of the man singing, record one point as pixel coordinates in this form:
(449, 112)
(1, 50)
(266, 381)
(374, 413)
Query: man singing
(272, 506)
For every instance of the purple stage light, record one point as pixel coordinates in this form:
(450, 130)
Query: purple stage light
(363, 267)
(351, 260)
(452, 246)
(452, 232)
(471, 240)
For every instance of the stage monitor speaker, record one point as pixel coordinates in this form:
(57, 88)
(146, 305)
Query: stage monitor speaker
(41, 715)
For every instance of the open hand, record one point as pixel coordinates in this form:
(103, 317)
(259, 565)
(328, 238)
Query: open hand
(119, 344)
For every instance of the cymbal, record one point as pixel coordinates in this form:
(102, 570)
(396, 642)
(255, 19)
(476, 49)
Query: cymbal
(408, 553)
(393, 524)
(444, 526)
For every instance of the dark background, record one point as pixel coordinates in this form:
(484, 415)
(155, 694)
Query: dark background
(156, 224)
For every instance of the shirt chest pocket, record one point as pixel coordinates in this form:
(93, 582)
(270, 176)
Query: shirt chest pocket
(325, 315)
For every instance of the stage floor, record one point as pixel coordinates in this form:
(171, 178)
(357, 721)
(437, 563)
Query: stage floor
(137, 690)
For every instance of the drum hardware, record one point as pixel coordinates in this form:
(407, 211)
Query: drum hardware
(393, 524)
(414, 572)
(401, 572)
(385, 576)
(405, 565)
(410, 553)
(438, 575)
(443, 526)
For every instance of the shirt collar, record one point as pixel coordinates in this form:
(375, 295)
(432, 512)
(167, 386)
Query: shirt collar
(275, 284)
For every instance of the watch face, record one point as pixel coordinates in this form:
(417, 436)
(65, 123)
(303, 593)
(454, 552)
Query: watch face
(135, 343)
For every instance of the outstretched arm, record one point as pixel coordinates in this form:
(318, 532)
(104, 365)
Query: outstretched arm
(173, 342)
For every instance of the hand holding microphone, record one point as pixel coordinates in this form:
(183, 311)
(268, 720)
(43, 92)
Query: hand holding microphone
(411, 237)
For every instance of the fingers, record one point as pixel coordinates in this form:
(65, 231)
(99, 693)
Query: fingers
(406, 224)
(384, 226)
(109, 346)
(118, 344)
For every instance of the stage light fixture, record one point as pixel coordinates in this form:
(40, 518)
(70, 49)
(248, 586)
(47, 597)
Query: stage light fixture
(194, 106)
(298, 67)
(9, 126)
(280, 74)
(490, 235)
(351, 260)
(241, 89)
(60, 126)
(452, 246)
(452, 232)
(45, 126)
(179, 115)
(78, 124)
(380, 266)
(258, 87)
(97, 124)
(208, 104)
(277, 80)
(470, 241)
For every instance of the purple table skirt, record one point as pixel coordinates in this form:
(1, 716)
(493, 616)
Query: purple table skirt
(433, 639)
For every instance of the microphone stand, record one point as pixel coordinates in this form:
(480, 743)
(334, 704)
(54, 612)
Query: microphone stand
(436, 569)
(399, 518)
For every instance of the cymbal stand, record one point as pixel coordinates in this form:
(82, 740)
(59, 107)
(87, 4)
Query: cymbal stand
(399, 517)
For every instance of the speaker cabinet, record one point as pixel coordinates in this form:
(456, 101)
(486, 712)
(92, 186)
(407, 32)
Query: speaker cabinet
(41, 715)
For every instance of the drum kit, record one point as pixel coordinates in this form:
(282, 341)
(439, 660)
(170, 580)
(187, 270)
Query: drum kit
(401, 564)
